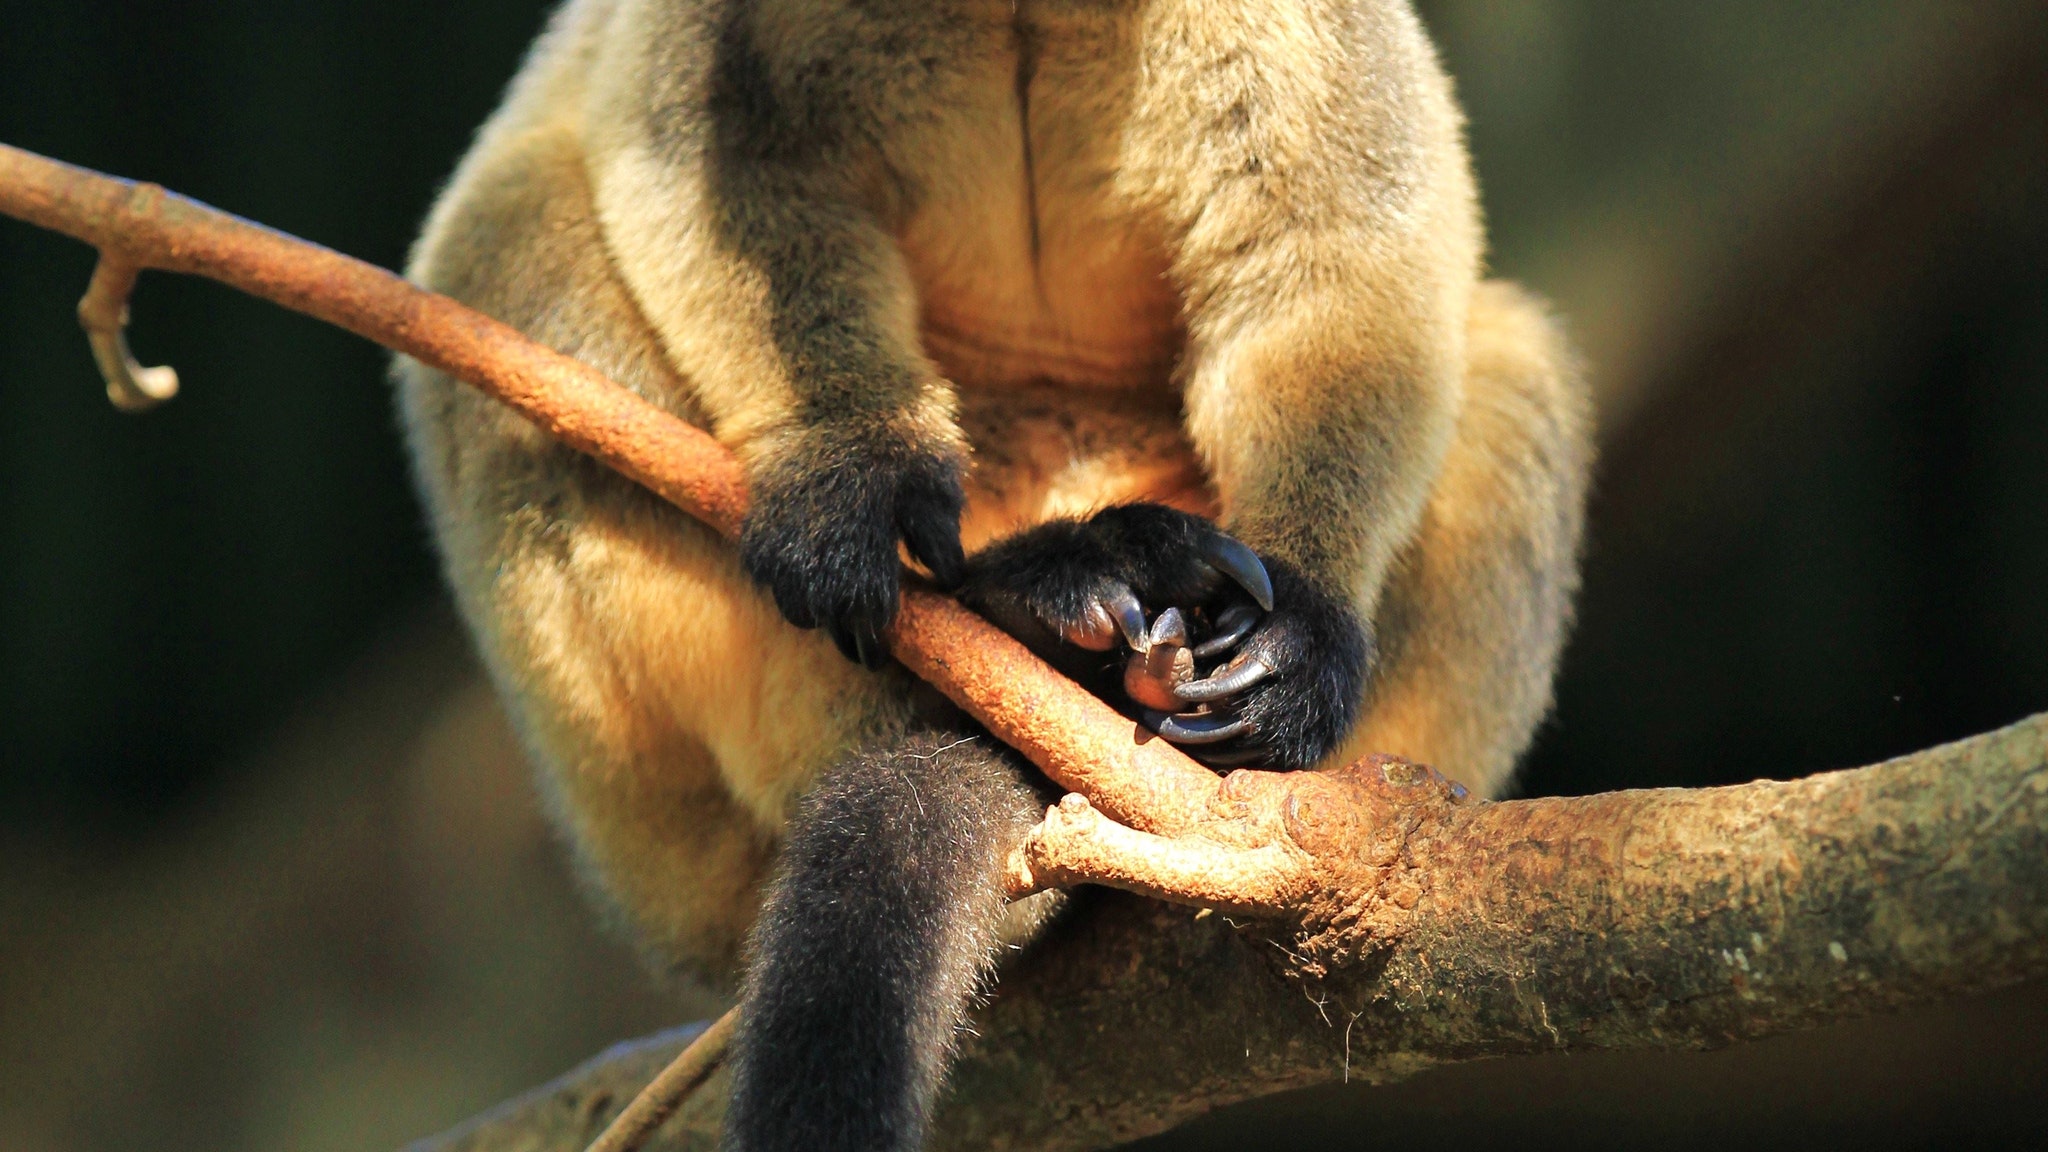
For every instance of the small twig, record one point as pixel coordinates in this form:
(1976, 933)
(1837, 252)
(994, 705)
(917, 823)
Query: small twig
(103, 313)
(664, 1094)
(142, 226)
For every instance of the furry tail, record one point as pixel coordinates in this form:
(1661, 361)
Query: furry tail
(882, 921)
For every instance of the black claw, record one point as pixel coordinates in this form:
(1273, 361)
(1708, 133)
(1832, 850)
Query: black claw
(936, 545)
(794, 609)
(1229, 556)
(1129, 616)
(1232, 627)
(1191, 729)
(1170, 628)
(1231, 680)
(858, 642)
(844, 640)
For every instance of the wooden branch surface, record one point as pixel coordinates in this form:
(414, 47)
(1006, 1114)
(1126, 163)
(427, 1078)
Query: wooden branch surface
(1652, 919)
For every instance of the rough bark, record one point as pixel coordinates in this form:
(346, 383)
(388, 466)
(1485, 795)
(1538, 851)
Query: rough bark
(1446, 931)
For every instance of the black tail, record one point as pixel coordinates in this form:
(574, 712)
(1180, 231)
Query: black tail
(873, 937)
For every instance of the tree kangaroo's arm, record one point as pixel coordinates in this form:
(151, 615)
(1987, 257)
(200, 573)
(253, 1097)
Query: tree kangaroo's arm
(1326, 245)
(745, 205)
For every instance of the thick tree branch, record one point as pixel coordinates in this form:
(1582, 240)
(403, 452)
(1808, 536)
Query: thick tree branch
(1441, 931)
(1395, 924)
(1438, 931)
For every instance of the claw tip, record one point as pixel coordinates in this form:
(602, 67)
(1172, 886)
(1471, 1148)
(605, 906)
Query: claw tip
(1231, 557)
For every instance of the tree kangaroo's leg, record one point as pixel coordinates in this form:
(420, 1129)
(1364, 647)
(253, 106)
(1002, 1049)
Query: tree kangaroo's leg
(1478, 604)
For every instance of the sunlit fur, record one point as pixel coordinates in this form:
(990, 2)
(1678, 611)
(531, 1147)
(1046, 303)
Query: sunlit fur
(1235, 269)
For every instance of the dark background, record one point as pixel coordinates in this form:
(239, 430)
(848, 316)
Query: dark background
(173, 584)
(268, 872)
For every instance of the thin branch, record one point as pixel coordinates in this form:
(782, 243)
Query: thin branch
(103, 313)
(1074, 738)
(654, 1104)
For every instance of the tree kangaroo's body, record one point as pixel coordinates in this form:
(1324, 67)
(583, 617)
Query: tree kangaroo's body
(1222, 256)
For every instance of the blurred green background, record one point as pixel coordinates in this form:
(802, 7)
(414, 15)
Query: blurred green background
(269, 872)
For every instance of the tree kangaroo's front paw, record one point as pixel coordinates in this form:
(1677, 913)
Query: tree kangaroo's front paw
(1279, 691)
(823, 532)
(1089, 583)
(1242, 660)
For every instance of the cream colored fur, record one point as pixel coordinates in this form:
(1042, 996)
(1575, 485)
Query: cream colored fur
(1235, 268)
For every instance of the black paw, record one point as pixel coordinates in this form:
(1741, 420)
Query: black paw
(823, 531)
(1242, 661)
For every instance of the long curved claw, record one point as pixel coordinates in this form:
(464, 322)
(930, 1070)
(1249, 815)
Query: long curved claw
(1229, 681)
(1230, 557)
(1170, 628)
(1130, 617)
(858, 642)
(1185, 729)
(1232, 627)
(1114, 613)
